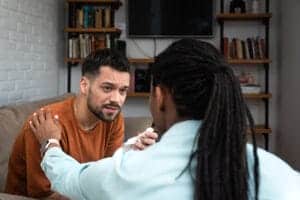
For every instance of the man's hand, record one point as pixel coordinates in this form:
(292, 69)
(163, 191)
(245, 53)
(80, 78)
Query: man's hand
(45, 126)
(145, 139)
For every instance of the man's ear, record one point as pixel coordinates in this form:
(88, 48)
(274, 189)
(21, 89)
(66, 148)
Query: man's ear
(84, 85)
(160, 93)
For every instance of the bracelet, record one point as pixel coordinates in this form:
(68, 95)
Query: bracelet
(45, 145)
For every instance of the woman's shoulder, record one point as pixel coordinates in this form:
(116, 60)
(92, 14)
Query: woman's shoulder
(278, 180)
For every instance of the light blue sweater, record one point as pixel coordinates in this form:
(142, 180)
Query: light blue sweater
(155, 172)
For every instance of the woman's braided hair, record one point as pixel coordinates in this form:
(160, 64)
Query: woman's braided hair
(204, 87)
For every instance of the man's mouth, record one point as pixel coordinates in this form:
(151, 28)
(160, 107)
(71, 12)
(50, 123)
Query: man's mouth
(111, 109)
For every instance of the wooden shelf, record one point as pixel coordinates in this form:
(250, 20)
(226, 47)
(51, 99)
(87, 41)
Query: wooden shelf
(243, 16)
(258, 96)
(249, 61)
(260, 129)
(141, 60)
(73, 60)
(131, 60)
(116, 4)
(138, 94)
(92, 30)
(247, 96)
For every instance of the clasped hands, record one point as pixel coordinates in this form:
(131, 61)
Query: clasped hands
(46, 126)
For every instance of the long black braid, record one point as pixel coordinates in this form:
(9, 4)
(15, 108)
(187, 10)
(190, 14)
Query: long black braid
(204, 87)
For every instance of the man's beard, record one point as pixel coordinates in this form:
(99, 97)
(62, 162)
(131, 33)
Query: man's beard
(100, 114)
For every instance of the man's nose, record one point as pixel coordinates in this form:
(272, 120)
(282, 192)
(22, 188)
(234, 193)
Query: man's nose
(115, 97)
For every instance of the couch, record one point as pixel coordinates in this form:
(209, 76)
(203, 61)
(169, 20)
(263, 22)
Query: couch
(12, 118)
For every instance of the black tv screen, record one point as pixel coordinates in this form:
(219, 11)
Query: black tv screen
(170, 18)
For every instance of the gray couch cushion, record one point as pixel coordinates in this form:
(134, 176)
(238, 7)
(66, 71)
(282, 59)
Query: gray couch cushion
(12, 118)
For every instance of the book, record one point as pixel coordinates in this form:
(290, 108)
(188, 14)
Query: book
(239, 49)
(250, 48)
(72, 15)
(256, 46)
(107, 21)
(79, 18)
(107, 40)
(70, 49)
(233, 50)
(226, 49)
(245, 49)
(98, 17)
(99, 41)
(86, 10)
(261, 46)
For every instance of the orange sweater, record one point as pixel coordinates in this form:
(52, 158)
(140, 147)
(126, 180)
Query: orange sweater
(25, 176)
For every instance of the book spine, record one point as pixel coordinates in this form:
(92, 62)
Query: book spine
(263, 47)
(108, 41)
(226, 47)
(72, 15)
(107, 22)
(98, 17)
(239, 49)
(250, 48)
(85, 16)
(70, 49)
(79, 20)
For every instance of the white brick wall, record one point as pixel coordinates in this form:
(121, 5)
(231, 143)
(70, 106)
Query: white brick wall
(31, 49)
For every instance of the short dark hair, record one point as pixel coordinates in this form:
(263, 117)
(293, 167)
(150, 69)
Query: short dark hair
(104, 57)
(204, 87)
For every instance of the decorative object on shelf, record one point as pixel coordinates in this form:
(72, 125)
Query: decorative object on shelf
(249, 84)
(237, 6)
(255, 6)
(251, 89)
(141, 80)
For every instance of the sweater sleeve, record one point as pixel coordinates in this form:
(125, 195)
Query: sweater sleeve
(25, 176)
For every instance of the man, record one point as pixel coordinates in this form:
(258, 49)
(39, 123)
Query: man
(92, 125)
(198, 108)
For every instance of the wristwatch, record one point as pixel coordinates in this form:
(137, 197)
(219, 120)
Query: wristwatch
(46, 144)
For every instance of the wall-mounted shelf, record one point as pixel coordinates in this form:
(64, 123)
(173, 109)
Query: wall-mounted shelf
(141, 60)
(259, 129)
(73, 60)
(92, 30)
(244, 16)
(257, 96)
(114, 3)
(138, 94)
(247, 96)
(249, 61)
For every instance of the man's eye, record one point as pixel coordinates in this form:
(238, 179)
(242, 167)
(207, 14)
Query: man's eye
(106, 88)
(123, 91)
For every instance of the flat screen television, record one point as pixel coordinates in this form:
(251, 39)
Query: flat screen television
(170, 18)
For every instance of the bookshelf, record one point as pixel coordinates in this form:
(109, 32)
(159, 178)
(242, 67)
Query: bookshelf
(263, 61)
(89, 26)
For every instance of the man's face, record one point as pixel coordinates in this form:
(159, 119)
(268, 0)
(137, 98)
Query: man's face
(107, 93)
